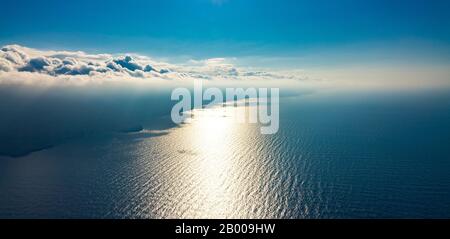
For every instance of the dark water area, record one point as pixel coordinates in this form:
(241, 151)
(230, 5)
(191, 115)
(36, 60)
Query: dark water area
(354, 155)
(36, 119)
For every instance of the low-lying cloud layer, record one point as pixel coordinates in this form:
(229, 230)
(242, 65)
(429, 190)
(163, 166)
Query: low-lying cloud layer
(22, 63)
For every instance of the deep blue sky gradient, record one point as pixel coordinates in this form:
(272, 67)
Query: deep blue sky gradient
(212, 28)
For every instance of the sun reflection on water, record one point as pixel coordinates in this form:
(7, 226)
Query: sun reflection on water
(212, 167)
(212, 130)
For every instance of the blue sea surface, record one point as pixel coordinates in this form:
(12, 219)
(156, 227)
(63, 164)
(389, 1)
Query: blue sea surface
(354, 155)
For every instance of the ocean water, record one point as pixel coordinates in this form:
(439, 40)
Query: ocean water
(335, 156)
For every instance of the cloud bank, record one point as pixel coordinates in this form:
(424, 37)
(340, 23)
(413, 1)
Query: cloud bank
(18, 63)
(21, 65)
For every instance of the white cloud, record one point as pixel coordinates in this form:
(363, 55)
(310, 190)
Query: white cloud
(21, 63)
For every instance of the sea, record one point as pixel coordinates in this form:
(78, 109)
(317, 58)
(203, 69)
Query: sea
(335, 155)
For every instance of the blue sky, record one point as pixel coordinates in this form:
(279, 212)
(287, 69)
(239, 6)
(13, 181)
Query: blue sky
(231, 28)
